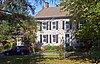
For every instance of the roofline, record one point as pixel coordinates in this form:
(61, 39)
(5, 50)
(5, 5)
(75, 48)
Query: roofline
(48, 18)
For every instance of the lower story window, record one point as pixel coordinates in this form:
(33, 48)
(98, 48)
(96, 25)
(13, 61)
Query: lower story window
(45, 38)
(55, 38)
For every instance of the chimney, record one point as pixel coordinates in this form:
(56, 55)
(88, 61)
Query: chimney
(46, 4)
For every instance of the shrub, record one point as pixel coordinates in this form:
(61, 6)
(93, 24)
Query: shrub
(95, 53)
(69, 48)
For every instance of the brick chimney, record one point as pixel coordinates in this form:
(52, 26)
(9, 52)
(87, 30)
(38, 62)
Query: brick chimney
(46, 4)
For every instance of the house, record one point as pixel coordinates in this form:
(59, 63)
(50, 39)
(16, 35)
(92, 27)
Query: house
(54, 26)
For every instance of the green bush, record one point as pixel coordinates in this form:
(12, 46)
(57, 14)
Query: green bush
(95, 53)
(69, 48)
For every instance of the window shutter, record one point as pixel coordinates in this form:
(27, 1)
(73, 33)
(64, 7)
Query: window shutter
(40, 26)
(50, 38)
(47, 25)
(56, 25)
(40, 38)
(47, 38)
(63, 25)
(50, 25)
(56, 38)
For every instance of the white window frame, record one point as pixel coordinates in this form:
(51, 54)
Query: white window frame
(54, 38)
(45, 38)
(44, 25)
(67, 25)
(53, 25)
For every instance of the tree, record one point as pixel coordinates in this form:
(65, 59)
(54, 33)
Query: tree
(17, 21)
(88, 11)
(14, 20)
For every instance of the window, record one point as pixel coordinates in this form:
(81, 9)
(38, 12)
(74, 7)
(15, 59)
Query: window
(45, 38)
(55, 38)
(44, 25)
(67, 25)
(55, 25)
(67, 35)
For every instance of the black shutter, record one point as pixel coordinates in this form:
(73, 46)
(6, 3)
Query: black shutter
(50, 25)
(40, 26)
(63, 25)
(50, 38)
(47, 38)
(47, 25)
(56, 25)
(56, 38)
(40, 38)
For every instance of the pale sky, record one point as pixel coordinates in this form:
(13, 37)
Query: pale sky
(40, 6)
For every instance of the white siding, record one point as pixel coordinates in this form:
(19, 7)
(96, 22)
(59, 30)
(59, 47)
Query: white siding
(60, 32)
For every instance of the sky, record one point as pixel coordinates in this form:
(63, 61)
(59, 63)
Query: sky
(40, 6)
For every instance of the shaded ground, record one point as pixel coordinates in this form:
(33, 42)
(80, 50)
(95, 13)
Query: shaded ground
(71, 58)
(47, 58)
(26, 59)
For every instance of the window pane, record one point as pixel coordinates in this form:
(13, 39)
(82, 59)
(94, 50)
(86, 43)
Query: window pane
(53, 23)
(54, 38)
(54, 27)
(44, 25)
(44, 38)
(67, 26)
(67, 35)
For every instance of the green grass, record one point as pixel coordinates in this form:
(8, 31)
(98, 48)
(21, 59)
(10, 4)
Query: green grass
(26, 59)
(51, 49)
(55, 60)
(47, 59)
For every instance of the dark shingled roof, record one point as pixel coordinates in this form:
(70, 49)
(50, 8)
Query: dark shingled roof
(51, 12)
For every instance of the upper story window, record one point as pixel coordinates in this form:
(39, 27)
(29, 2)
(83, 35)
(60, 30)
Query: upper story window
(44, 25)
(80, 24)
(54, 25)
(66, 25)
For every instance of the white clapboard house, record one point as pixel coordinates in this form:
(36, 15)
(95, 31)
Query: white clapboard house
(54, 26)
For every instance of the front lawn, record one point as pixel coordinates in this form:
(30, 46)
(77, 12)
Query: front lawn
(26, 59)
(46, 59)
(56, 60)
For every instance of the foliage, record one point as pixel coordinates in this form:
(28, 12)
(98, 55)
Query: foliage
(69, 48)
(88, 11)
(95, 53)
(16, 21)
(61, 51)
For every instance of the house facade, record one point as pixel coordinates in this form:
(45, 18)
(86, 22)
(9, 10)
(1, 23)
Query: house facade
(54, 27)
